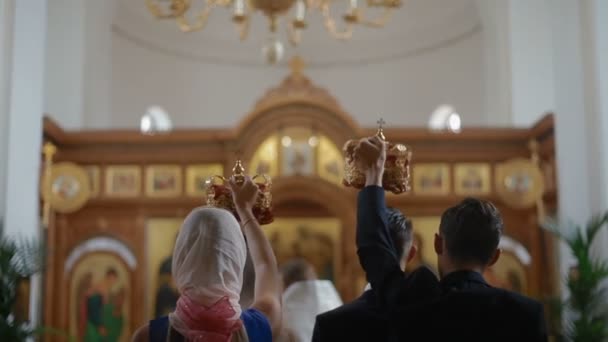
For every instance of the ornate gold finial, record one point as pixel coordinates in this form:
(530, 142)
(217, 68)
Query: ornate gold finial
(297, 65)
(49, 150)
(238, 171)
(380, 132)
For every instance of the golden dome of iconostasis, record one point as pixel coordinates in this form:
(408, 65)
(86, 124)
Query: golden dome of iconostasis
(139, 187)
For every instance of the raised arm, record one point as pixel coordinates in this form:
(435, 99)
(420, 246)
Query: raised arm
(267, 286)
(377, 255)
(375, 248)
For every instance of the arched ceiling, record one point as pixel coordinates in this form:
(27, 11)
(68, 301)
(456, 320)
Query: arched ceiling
(418, 26)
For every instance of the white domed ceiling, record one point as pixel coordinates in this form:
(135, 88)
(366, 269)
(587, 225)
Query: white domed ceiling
(418, 26)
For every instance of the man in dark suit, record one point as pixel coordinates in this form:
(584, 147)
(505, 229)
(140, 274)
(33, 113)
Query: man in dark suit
(464, 307)
(363, 319)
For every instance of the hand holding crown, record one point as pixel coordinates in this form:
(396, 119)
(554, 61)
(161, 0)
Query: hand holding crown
(374, 161)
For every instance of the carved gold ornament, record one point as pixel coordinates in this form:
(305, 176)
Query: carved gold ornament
(519, 183)
(67, 188)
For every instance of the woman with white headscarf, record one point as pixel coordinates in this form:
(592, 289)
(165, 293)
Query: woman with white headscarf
(208, 262)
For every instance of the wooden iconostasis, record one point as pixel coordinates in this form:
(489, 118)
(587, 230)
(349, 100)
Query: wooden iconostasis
(109, 257)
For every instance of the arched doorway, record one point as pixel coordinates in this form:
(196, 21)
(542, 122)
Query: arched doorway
(315, 220)
(295, 134)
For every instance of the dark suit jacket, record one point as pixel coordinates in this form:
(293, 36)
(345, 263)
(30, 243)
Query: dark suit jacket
(359, 320)
(462, 307)
(366, 319)
(468, 309)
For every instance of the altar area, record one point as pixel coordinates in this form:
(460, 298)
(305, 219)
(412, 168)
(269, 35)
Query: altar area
(139, 187)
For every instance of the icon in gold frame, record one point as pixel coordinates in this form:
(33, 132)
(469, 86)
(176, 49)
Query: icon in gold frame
(163, 181)
(472, 179)
(123, 181)
(431, 179)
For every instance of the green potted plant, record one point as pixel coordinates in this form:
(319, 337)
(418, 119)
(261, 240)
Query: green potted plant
(586, 308)
(19, 260)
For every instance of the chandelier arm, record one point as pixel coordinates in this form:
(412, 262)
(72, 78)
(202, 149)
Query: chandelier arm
(295, 35)
(178, 7)
(200, 20)
(243, 27)
(377, 22)
(332, 27)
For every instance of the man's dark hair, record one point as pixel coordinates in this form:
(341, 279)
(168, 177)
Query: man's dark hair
(111, 272)
(400, 229)
(471, 230)
(294, 271)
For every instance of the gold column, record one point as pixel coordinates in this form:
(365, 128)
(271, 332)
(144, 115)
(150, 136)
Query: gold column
(49, 150)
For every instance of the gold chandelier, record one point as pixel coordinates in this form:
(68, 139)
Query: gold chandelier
(294, 12)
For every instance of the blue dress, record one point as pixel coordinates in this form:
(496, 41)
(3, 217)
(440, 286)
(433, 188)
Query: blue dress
(256, 325)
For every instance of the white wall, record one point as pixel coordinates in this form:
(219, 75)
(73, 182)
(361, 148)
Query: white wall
(6, 30)
(531, 59)
(495, 18)
(196, 94)
(78, 63)
(595, 54)
(65, 62)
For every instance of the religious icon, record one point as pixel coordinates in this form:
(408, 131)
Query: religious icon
(99, 300)
(67, 187)
(431, 179)
(519, 182)
(161, 291)
(166, 292)
(314, 239)
(163, 180)
(472, 179)
(123, 181)
(265, 160)
(330, 161)
(297, 158)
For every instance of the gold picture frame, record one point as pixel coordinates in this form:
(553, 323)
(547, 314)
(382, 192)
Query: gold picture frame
(163, 181)
(197, 175)
(123, 181)
(519, 183)
(431, 179)
(67, 189)
(472, 179)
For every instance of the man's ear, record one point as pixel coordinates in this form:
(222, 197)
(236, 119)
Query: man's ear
(438, 244)
(495, 257)
(412, 253)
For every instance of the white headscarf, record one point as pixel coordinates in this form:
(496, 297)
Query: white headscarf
(208, 261)
(303, 301)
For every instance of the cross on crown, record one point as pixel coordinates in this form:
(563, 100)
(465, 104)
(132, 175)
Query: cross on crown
(381, 124)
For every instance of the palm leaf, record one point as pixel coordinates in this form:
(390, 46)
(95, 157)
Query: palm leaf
(588, 318)
(19, 259)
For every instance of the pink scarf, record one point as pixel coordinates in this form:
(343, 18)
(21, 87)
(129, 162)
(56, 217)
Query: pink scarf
(209, 324)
